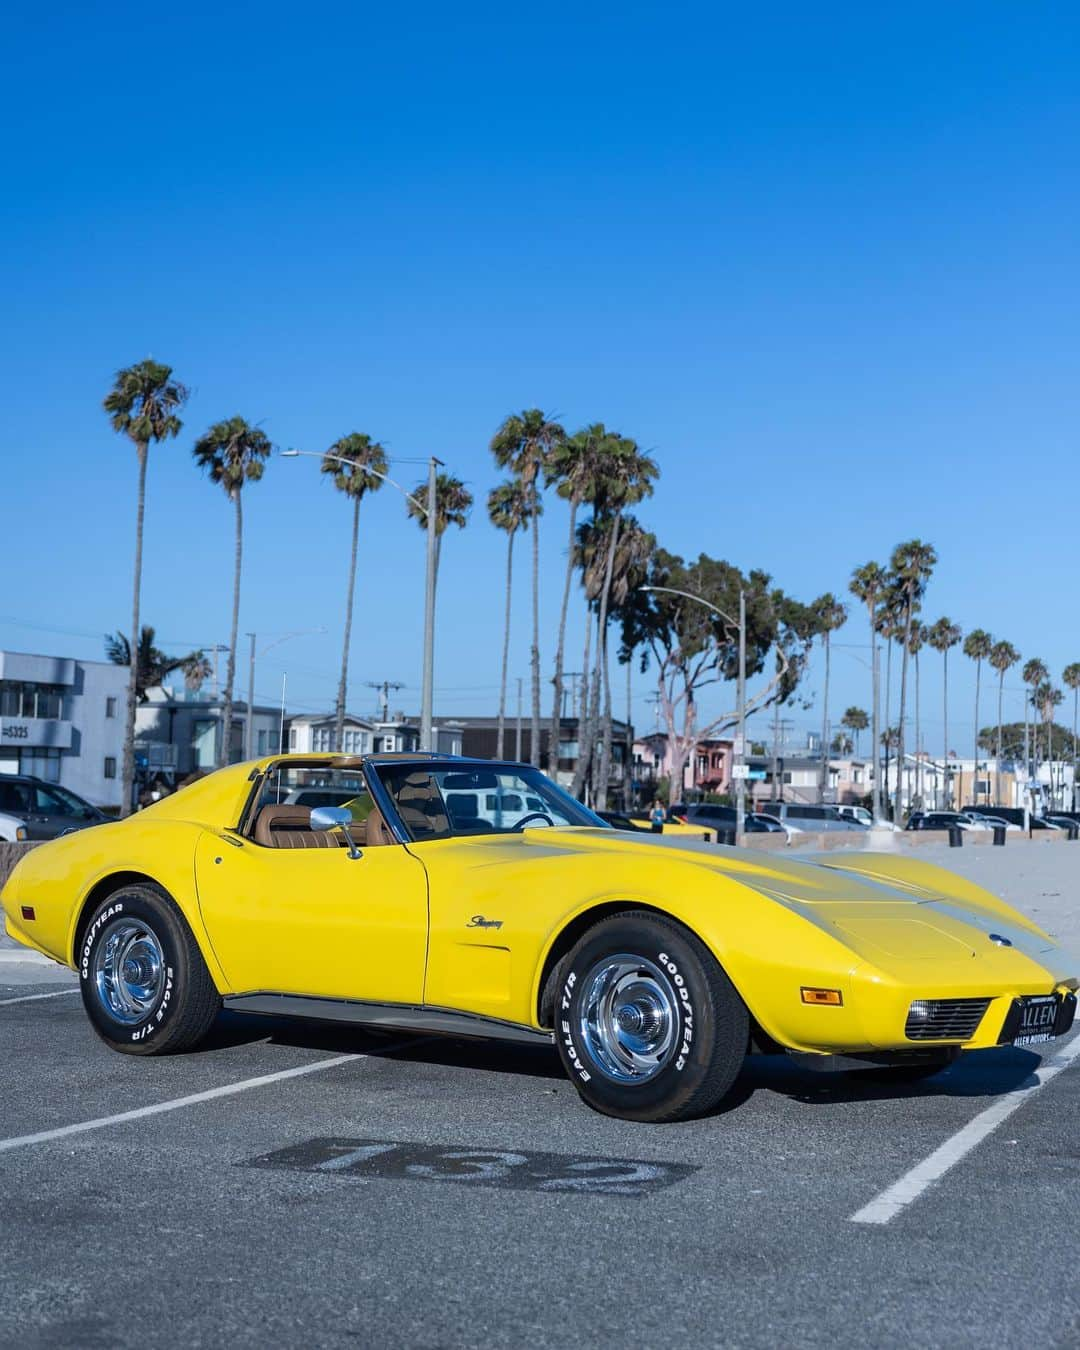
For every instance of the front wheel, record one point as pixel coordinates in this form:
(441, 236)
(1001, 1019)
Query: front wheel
(648, 1026)
(145, 985)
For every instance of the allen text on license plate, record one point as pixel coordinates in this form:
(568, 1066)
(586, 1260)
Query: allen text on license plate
(1037, 1017)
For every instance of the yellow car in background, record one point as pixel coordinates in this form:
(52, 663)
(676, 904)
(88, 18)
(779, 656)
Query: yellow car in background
(478, 899)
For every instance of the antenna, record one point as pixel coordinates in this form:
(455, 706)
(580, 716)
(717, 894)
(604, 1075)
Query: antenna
(384, 686)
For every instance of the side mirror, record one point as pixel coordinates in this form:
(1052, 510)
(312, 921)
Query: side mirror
(335, 818)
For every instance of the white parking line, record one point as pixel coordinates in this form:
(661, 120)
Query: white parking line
(229, 1090)
(911, 1185)
(32, 998)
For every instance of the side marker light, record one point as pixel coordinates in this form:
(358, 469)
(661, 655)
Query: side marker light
(825, 998)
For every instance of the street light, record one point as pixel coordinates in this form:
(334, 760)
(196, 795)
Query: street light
(285, 637)
(429, 513)
(740, 744)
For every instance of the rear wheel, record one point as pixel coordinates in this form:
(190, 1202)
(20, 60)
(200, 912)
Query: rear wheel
(145, 985)
(648, 1026)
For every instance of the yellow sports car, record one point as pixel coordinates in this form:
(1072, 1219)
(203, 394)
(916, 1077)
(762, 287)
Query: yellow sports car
(477, 898)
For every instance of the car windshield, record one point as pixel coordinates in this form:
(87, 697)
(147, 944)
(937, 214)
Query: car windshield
(439, 803)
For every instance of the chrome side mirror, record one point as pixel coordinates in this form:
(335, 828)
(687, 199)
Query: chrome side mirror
(335, 818)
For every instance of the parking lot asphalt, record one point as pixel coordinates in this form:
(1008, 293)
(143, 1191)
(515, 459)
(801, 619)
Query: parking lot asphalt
(293, 1184)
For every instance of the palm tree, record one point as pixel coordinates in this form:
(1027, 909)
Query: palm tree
(977, 646)
(1071, 678)
(153, 666)
(1045, 699)
(363, 472)
(1003, 655)
(142, 405)
(509, 510)
(866, 584)
(573, 468)
(916, 640)
(453, 502)
(856, 721)
(911, 566)
(830, 615)
(233, 453)
(1035, 672)
(523, 444)
(942, 636)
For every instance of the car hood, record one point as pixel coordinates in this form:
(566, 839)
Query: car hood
(852, 894)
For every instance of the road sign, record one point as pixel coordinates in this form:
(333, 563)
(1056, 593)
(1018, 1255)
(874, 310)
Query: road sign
(740, 771)
(758, 775)
(738, 746)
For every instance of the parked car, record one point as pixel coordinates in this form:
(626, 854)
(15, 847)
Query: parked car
(861, 816)
(991, 822)
(12, 829)
(653, 969)
(44, 809)
(1062, 822)
(944, 820)
(807, 817)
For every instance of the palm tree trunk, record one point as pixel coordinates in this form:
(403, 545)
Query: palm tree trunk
(534, 738)
(601, 791)
(888, 714)
(823, 776)
(900, 719)
(918, 739)
(225, 744)
(1050, 751)
(582, 766)
(506, 643)
(875, 720)
(997, 751)
(587, 747)
(343, 682)
(556, 707)
(1076, 697)
(127, 771)
(945, 711)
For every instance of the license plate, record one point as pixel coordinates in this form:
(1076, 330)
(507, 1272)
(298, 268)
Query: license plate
(1037, 1017)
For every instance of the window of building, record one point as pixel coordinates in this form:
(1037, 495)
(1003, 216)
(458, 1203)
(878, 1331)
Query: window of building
(568, 749)
(110, 707)
(30, 700)
(204, 742)
(292, 738)
(110, 766)
(261, 738)
(42, 763)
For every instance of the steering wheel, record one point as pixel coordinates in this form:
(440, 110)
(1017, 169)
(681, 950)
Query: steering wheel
(533, 815)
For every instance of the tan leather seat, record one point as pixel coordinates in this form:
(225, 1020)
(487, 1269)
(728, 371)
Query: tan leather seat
(281, 826)
(421, 807)
(378, 832)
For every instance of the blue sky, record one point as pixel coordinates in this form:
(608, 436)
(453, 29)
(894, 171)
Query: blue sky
(821, 260)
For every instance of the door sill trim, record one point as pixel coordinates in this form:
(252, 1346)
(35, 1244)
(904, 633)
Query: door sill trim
(392, 1016)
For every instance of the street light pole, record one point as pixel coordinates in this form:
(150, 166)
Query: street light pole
(740, 748)
(251, 699)
(429, 512)
(427, 685)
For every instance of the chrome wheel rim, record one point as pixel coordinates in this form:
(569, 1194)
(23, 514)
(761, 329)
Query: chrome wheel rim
(628, 1018)
(129, 971)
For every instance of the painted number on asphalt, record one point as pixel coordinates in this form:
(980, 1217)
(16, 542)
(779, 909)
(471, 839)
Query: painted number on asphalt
(399, 1161)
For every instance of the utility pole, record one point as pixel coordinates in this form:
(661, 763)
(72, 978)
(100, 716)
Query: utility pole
(248, 733)
(384, 687)
(517, 752)
(740, 746)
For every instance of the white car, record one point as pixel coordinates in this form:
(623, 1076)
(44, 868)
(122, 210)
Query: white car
(12, 829)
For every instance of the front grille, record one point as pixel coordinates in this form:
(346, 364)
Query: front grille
(944, 1019)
